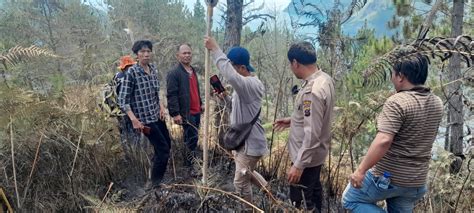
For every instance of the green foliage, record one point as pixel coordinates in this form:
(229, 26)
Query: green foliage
(199, 13)
(52, 97)
(268, 56)
(57, 82)
(410, 15)
(68, 28)
(355, 123)
(403, 7)
(448, 192)
(369, 48)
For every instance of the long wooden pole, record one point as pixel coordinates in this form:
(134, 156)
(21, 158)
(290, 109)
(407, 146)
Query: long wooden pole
(13, 164)
(210, 6)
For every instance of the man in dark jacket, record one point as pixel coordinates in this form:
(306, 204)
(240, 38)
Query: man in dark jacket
(184, 100)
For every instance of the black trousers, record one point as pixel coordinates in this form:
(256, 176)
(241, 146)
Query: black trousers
(312, 190)
(191, 137)
(159, 137)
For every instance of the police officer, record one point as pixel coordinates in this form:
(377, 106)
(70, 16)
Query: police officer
(310, 127)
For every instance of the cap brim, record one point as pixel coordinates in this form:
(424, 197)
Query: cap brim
(250, 68)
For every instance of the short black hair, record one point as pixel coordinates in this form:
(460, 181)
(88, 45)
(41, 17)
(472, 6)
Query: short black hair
(304, 53)
(413, 65)
(138, 45)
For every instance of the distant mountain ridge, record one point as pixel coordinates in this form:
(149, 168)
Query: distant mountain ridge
(377, 13)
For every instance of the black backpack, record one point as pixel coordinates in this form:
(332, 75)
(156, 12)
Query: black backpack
(237, 134)
(107, 99)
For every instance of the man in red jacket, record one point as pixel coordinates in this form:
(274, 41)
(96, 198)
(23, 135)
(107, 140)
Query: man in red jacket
(184, 100)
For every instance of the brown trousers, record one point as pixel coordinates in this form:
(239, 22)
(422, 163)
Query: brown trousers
(245, 174)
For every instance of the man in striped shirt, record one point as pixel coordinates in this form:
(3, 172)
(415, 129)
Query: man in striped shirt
(401, 150)
(139, 99)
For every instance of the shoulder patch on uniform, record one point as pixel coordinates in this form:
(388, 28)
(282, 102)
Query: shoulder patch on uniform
(307, 107)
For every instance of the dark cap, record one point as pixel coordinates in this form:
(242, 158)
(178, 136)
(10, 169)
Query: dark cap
(240, 56)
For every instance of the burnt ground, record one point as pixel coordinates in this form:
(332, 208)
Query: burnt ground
(182, 192)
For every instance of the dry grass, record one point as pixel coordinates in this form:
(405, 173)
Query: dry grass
(48, 132)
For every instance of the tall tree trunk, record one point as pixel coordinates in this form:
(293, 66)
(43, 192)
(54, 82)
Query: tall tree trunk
(455, 104)
(233, 24)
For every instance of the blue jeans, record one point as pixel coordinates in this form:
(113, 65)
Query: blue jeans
(399, 199)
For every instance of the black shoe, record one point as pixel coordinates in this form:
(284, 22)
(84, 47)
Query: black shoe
(152, 185)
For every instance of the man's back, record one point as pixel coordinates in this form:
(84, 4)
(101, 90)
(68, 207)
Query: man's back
(246, 101)
(413, 117)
